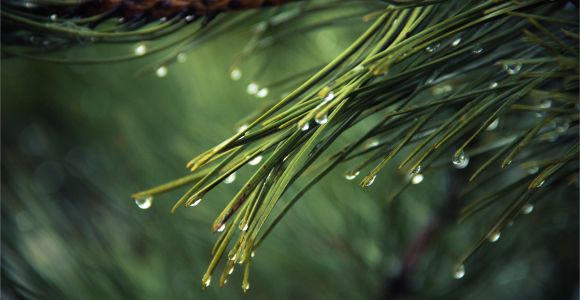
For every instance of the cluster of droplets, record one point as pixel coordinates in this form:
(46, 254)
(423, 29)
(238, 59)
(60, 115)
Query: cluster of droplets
(144, 203)
(254, 89)
(433, 47)
(460, 160)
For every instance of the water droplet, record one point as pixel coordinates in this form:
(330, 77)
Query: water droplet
(163, 20)
(351, 175)
(121, 20)
(252, 88)
(493, 125)
(494, 237)
(417, 170)
(477, 50)
(533, 170)
(329, 96)
(539, 185)
(358, 68)
(253, 254)
(546, 103)
(459, 272)
(181, 57)
(144, 203)
(161, 72)
(263, 92)
(256, 160)
(231, 270)
(222, 228)
(417, 178)
(53, 17)
(460, 160)
(140, 49)
(370, 181)
(236, 74)
(456, 42)
(205, 282)
(493, 85)
(242, 128)
(230, 178)
(372, 143)
(442, 90)
(304, 127)
(245, 286)
(245, 227)
(527, 209)
(321, 119)
(189, 18)
(433, 47)
(512, 69)
(196, 202)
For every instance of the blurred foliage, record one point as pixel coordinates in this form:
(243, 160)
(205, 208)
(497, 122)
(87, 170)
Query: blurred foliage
(78, 139)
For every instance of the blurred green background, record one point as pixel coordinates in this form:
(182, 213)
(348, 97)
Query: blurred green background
(77, 140)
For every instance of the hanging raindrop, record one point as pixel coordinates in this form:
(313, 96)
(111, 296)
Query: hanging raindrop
(417, 178)
(304, 127)
(494, 237)
(477, 50)
(140, 49)
(493, 125)
(527, 209)
(493, 85)
(252, 88)
(206, 281)
(512, 69)
(144, 203)
(230, 178)
(222, 228)
(245, 286)
(459, 272)
(243, 128)
(263, 92)
(372, 143)
(161, 72)
(181, 58)
(370, 181)
(236, 74)
(231, 270)
(196, 202)
(321, 119)
(351, 175)
(245, 227)
(329, 96)
(533, 170)
(460, 160)
(256, 160)
(456, 42)
(53, 17)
